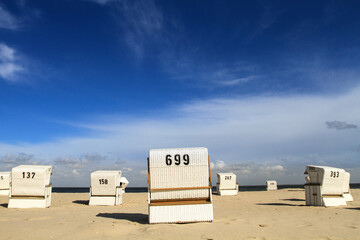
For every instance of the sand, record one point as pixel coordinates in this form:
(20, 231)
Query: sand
(280, 214)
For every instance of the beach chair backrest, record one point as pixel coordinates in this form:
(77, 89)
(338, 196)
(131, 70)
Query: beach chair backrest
(30, 180)
(104, 183)
(5, 180)
(331, 179)
(226, 181)
(179, 173)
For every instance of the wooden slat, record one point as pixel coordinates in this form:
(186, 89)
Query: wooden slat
(189, 202)
(27, 197)
(179, 200)
(176, 189)
(209, 170)
(148, 172)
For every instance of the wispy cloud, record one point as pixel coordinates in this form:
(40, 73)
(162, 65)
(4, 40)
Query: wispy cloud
(340, 125)
(7, 20)
(10, 64)
(141, 25)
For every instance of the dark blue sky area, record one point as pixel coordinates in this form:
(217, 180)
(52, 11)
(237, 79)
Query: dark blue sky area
(73, 60)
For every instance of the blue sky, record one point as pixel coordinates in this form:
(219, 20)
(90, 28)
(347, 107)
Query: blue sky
(266, 86)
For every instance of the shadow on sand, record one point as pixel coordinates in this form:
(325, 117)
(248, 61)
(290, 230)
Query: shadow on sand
(356, 208)
(294, 200)
(280, 204)
(4, 205)
(133, 217)
(81, 202)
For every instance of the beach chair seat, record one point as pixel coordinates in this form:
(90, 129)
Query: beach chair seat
(348, 197)
(5, 178)
(325, 186)
(227, 184)
(105, 188)
(123, 183)
(179, 185)
(271, 185)
(30, 187)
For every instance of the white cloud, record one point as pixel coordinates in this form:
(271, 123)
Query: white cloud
(7, 20)
(276, 136)
(217, 165)
(10, 64)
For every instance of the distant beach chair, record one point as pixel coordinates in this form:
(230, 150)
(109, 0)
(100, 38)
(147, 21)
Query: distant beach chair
(179, 185)
(271, 185)
(5, 178)
(30, 187)
(123, 183)
(346, 194)
(227, 184)
(325, 186)
(105, 188)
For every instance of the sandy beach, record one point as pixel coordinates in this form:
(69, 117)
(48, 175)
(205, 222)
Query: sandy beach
(280, 214)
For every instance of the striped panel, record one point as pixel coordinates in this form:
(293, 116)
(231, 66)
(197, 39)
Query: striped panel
(182, 194)
(181, 213)
(190, 169)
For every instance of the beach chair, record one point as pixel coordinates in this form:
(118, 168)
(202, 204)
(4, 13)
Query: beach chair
(105, 188)
(325, 186)
(123, 183)
(271, 185)
(227, 184)
(346, 194)
(179, 185)
(5, 183)
(30, 187)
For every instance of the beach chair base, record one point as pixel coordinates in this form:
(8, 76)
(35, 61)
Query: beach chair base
(314, 197)
(31, 201)
(4, 192)
(348, 197)
(107, 200)
(181, 213)
(227, 192)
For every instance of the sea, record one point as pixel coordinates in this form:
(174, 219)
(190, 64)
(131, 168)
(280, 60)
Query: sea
(144, 189)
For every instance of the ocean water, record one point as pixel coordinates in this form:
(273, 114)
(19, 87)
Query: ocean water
(144, 189)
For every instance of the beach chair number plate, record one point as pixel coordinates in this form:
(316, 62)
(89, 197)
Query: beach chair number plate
(28, 174)
(177, 159)
(227, 177)
(103, 181)
(334, 174)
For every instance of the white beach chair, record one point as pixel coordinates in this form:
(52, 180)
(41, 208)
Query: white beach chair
(30, 187)
(123, 183)
(179, 185)
(325, 186)
(271, 185)
(5, 178)
(105, 188)
(346, 194)
(227, 184)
